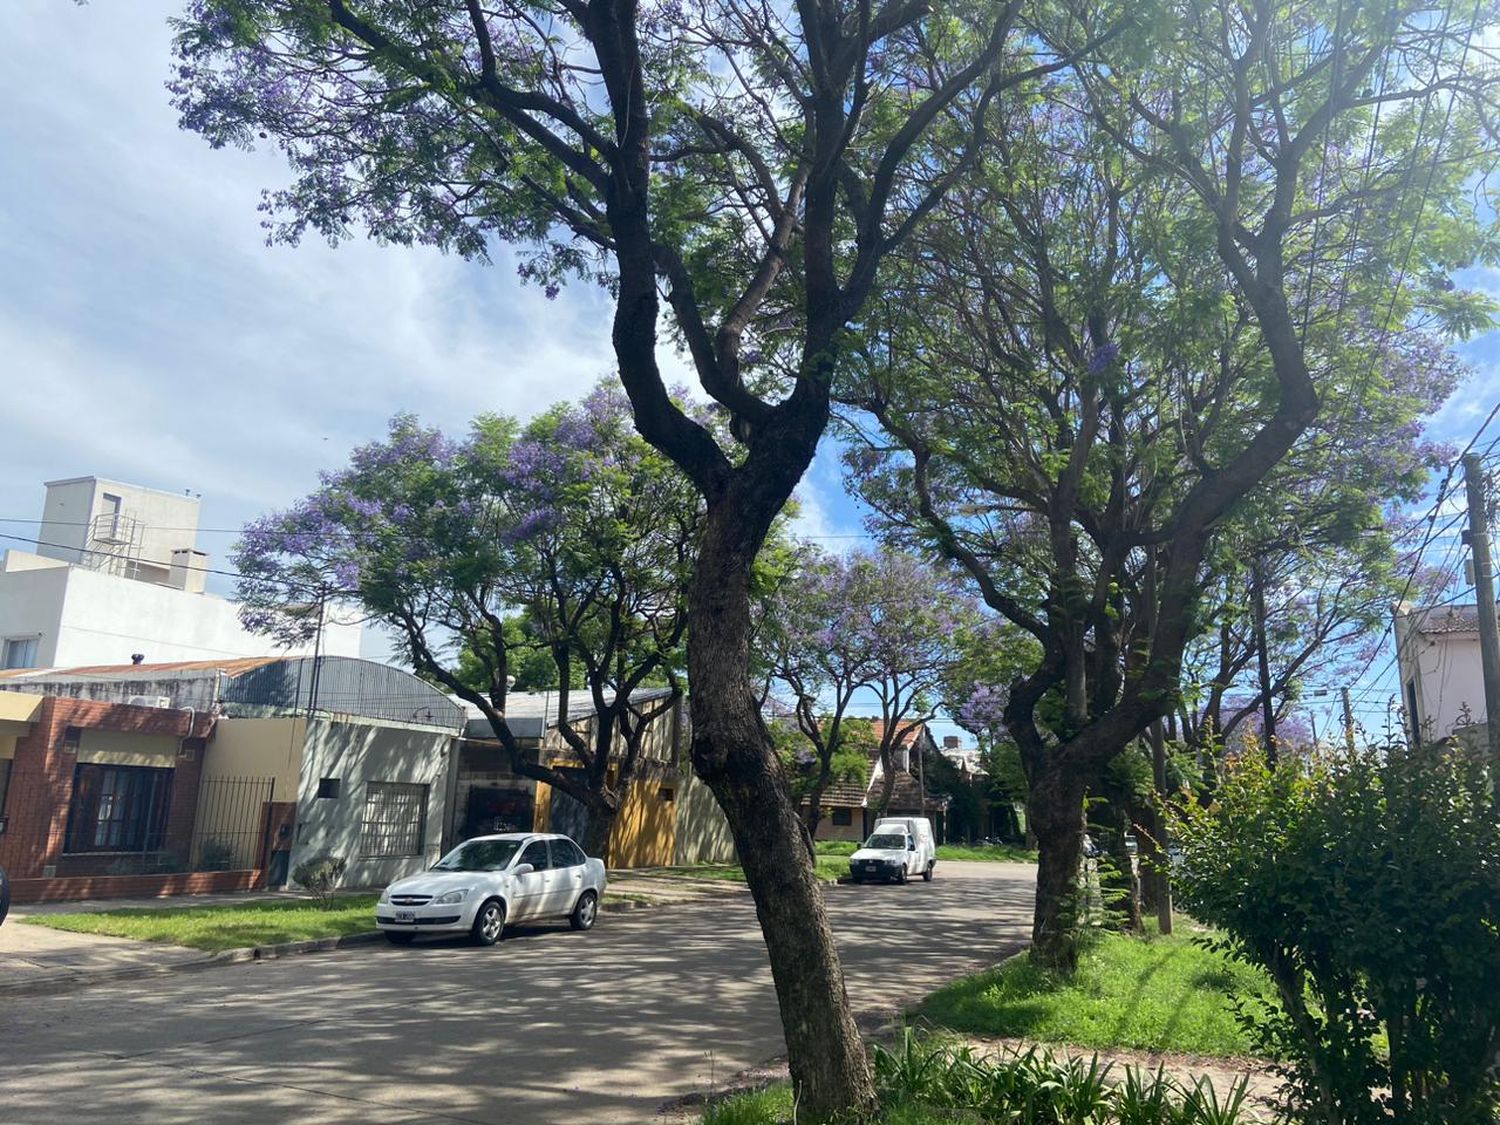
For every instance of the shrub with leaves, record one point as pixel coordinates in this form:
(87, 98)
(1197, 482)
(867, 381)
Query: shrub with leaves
(321, 875)
(1035, 1087)
(1367, 888)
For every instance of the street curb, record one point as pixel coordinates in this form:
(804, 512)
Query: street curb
(69, 982)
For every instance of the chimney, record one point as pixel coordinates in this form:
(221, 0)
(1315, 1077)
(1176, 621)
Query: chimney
(189, 570)
(950, 742)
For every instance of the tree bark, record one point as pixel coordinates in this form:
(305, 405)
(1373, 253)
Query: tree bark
(602, 814)
(1054, 811)
(733, 754)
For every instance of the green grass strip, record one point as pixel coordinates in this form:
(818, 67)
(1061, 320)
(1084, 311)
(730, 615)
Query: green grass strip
(1156, 994)
(215, 928)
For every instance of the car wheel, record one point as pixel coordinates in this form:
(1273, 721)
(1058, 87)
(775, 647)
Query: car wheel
(399, 937)
(489, 923)
(901, 875)
(586, 912)
(927, 874)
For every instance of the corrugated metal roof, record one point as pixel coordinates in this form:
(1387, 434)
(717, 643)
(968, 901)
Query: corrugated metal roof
(232, 667)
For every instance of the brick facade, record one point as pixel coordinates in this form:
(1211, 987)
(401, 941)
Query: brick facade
(41, 782)
(133, 886)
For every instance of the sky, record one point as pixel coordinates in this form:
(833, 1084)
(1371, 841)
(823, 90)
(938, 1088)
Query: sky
(147, 333)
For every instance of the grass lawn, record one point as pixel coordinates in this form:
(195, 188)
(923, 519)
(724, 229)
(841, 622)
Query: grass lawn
(995, 853)
(214, 928)
(1157, 993)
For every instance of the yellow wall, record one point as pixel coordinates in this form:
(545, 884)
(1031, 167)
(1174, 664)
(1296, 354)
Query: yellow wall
(258, 748)
(122, 748)
(645, 830)
(7, 747)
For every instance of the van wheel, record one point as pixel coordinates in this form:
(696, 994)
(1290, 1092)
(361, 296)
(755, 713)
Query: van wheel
(901, 875)
(927, 875)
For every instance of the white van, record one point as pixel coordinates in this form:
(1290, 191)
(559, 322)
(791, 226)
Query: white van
(898, 848)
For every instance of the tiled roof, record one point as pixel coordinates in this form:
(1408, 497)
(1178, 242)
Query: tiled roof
(1449, 619)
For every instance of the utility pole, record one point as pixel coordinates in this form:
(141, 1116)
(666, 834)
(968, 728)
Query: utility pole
(1263, 658)
(1484, 603)
(1348, 722)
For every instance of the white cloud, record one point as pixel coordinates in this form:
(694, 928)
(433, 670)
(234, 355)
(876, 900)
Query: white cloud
(148, 333)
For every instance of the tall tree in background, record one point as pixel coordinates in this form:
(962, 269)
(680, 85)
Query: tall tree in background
(574, 523)
(881, 624)
(1127, 320)
(755, 163)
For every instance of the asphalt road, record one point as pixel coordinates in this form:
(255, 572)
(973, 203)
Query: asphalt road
(548, 1026)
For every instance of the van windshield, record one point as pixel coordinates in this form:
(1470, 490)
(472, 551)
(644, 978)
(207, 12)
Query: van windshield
(887, 840)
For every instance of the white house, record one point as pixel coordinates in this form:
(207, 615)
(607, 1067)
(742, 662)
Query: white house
(1437, 652)
(117, 575)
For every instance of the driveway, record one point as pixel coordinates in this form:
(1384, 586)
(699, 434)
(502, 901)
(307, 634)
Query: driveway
(549, 1026)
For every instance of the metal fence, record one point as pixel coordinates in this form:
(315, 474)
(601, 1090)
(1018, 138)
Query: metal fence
(229, 831)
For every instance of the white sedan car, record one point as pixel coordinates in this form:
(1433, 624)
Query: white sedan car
(486, 883)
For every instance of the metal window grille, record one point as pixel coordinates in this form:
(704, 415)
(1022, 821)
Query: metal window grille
(395, 817)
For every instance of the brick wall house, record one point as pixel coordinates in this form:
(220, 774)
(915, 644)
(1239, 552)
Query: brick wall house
(91, 788)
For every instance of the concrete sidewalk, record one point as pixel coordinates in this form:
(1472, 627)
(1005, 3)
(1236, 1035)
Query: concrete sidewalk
(38, 959)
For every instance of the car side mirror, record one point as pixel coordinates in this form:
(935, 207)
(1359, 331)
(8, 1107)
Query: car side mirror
(522, 869)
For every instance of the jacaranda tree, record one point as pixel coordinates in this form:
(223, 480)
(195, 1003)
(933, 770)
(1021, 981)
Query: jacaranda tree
(573, 523)
(753, 163)
(1170, 309)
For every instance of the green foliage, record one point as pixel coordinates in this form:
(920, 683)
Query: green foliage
(928, 1081)
(1366, 888)
(215, 855)
(321, 875)
(1156, 994)
(1036, 1088)
(775, 1103)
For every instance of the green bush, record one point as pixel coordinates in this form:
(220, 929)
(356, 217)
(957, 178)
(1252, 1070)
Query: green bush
(321, 875)
(215, 855)
(1367, 888)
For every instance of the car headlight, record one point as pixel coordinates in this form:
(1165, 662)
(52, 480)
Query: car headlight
(385, 895)
(449, 898)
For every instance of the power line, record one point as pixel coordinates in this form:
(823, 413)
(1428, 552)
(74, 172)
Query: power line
(108, 555)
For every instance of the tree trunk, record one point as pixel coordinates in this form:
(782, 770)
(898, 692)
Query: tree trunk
(602, 815)
(733, 754)
(1054, 812)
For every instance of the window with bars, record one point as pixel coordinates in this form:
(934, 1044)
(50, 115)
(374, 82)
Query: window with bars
(118, 809)
(395, 819)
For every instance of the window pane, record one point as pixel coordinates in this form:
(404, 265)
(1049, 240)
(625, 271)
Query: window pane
(20, 652)
(117, 809)
(536, 855)
(394, 819)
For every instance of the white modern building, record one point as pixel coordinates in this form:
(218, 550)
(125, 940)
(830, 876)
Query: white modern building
(117, 576)
(1442, 683)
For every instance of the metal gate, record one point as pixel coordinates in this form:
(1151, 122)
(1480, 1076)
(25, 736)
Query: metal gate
(229, 832)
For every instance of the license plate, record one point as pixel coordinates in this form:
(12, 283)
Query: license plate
(406, 915)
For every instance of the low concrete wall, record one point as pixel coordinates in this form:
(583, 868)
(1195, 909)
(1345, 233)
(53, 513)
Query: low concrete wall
(132, 886)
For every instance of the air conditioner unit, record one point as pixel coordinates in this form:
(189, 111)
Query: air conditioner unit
(149, 700)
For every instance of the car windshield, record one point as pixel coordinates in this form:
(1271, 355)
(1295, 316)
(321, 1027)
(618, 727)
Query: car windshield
(478, 855)
(886, 840)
